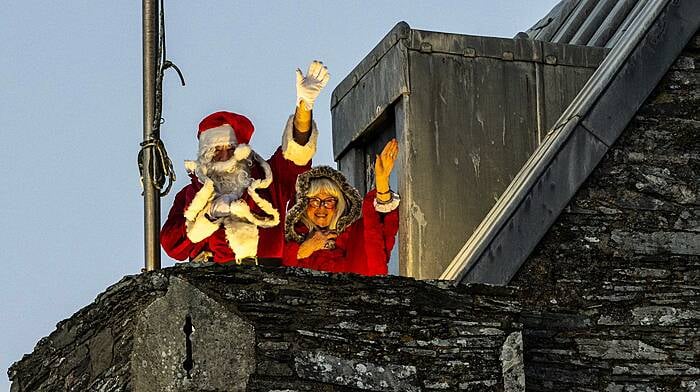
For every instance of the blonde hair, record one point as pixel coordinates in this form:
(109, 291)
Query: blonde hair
(318, 185)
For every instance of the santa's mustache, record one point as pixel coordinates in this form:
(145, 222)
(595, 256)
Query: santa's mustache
(229, 166)
(230, 177)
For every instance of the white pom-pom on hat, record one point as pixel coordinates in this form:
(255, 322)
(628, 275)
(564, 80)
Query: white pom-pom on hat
(241, 152)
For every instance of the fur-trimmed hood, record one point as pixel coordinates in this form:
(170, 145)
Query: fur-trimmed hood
(353, 201)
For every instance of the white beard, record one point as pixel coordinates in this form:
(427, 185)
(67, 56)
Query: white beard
(231, 178)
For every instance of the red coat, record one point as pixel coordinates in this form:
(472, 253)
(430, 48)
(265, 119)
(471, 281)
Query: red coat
(173, 236)
(363, 248)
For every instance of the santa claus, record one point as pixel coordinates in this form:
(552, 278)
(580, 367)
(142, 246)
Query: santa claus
(232, 209)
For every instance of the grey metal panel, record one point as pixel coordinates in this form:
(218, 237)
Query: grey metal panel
(593, 22)
(473, 251)
(539, 209)
(598, 23)
(578, 56)
(540, 103)
(616, 58)
(561, 85)
(475, 114)
(612, 23)
(472, 127)
(352, 165)
(398, 32)
(378, 137)
(408, 250)
(574, 21)
(546, 27)
(643, 70)
(504, 49)
(474, 46)
(368, 100)
(519, 132)
(631, 17)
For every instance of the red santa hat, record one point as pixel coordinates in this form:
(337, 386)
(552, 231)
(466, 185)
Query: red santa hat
(224, 128)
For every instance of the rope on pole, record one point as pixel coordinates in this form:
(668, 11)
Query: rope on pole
(160, 165)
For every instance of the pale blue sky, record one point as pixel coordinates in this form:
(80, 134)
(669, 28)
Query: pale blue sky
(70, 117)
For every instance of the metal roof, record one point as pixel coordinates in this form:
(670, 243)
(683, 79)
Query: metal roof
(598, 23)
(648, 44)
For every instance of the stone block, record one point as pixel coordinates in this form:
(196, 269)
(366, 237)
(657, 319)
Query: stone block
(221, 347)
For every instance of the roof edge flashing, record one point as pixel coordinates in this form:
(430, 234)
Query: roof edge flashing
(400, 31)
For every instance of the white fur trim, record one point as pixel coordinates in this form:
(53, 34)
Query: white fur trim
(267, 170)
(200, 200)
(388, 207)
(295, 152)
(240, 209)
(200, 228)
(220, 136)
(242, 237)
(241, 152)
(264, 205)
(191, 166)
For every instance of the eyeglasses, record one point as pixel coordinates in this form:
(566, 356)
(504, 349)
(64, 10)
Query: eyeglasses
(329, 203)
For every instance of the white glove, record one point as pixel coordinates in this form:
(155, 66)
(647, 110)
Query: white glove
(220, 207)
(309, 86)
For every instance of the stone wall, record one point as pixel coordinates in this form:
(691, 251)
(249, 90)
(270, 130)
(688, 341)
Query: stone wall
(281, 330)
(93, 346)
(614, 287)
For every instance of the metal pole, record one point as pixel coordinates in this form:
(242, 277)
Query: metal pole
(151, 195)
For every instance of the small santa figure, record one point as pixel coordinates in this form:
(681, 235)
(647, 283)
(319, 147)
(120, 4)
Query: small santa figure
(232, 209)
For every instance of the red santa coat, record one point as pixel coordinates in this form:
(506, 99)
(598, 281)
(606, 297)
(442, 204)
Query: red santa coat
(286, 164)
(363, 246)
